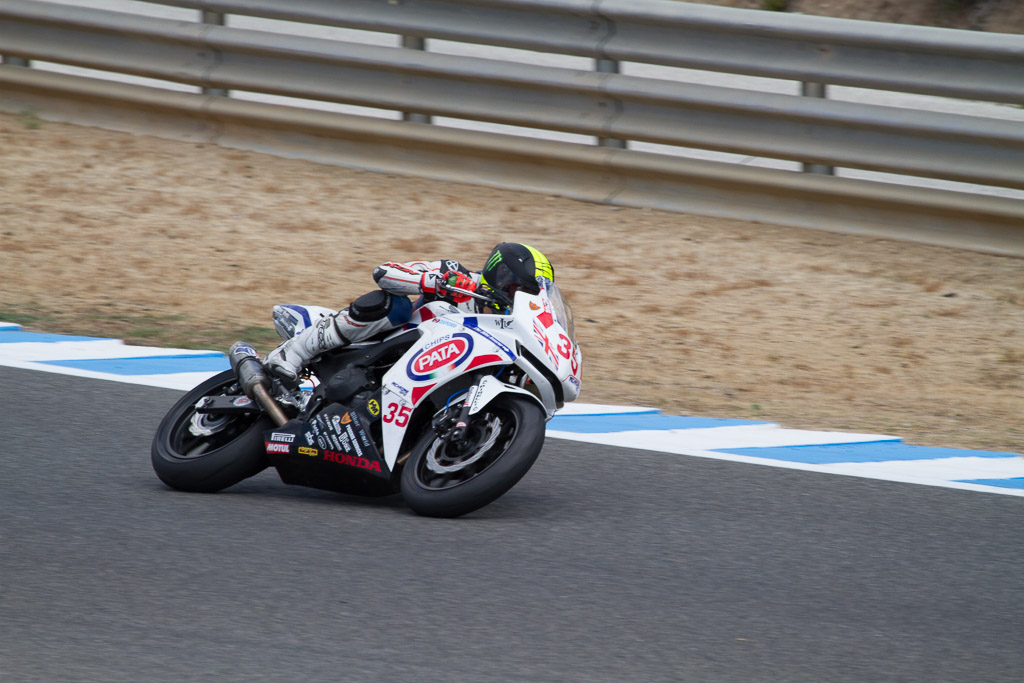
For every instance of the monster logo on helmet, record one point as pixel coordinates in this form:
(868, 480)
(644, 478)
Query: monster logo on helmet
(513, 266)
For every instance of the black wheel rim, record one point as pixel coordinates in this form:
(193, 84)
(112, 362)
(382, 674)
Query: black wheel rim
(186, 445)
(446, 465)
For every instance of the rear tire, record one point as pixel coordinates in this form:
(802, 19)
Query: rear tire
(205, 463)
(448, 480)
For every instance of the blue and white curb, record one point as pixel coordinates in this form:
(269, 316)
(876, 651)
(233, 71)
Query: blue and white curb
(109, 359)
(873, 456)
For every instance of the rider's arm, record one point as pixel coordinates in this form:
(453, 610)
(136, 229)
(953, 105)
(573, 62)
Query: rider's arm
(414, 277)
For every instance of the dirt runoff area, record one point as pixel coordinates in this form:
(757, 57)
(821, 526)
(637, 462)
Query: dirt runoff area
(177, 244)
(1003, 16)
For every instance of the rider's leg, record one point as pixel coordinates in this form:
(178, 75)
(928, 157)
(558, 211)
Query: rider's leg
(370, 314)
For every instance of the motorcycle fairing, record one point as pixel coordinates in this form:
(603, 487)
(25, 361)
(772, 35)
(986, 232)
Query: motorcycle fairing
(548, 331)
(451, 344)
(489, 389)
(334, 452)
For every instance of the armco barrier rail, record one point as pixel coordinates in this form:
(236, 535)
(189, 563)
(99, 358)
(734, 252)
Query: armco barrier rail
(605, 104)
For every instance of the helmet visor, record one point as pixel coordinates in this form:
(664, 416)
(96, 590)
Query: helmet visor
(503, 279)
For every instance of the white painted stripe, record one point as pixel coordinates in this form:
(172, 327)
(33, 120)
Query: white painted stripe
(684, 441)
(580, 409)
(84, 350)
(179, 380)
(931, 471)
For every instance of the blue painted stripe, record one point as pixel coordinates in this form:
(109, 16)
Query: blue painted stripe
(1016, 483)
(598, 424)
(17, 337)
(149, 365)
(873, 451)
(7, 327)
(602, 413)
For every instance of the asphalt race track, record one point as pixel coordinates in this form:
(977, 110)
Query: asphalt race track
(604, 564)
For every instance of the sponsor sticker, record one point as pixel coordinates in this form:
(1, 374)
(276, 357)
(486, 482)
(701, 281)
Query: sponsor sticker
(286, 438)
(276, 447)
(304, 450)
(354, 441)
(242, 401)
(447, 355)
(472, 397)
(352, 461)
(503, 323)
(373, 407)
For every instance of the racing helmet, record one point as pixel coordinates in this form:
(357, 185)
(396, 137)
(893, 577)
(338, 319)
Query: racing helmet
(513, 266)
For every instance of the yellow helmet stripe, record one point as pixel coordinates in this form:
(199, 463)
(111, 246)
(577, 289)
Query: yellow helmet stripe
(542, 266)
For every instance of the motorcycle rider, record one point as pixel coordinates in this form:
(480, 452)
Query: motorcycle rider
(509, 267)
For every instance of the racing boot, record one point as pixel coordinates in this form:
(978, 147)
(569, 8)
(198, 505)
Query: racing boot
(287, 360)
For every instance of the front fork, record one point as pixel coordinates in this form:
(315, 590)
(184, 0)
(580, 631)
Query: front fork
(458, 432)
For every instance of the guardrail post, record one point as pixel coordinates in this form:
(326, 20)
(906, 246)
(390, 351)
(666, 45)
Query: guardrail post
(214, 19)
(415, 43)
(608, 66)
(816, 90)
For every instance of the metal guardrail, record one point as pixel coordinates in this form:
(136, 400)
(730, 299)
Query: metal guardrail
(605, 105)
(611, 106)
(815, 49)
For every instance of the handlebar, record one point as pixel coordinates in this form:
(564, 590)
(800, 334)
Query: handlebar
(485, 293)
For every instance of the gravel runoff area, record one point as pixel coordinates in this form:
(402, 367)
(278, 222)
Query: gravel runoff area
(177, 244)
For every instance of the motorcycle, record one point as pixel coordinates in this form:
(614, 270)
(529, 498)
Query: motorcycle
(449, 411)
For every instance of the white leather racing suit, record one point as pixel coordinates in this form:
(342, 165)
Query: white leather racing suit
(311, 330)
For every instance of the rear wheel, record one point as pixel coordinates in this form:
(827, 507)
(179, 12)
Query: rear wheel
(203, 452)
(448, 478)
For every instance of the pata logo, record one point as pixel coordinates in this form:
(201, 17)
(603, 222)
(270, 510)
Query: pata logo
(441, 356)
(447, 354)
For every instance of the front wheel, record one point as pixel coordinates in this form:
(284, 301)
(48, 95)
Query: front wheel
(203, 452)
(449, 479)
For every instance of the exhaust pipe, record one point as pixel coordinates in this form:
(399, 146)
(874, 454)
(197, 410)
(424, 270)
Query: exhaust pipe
(249, 370)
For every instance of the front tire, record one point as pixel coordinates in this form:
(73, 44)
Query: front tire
(449, 480)
(226, 449)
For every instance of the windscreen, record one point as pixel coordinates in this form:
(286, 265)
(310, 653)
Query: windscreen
(563, 312)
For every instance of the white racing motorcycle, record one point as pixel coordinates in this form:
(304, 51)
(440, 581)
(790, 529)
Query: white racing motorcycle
(448, 411)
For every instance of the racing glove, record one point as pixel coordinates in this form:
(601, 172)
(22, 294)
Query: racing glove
(454, 278)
